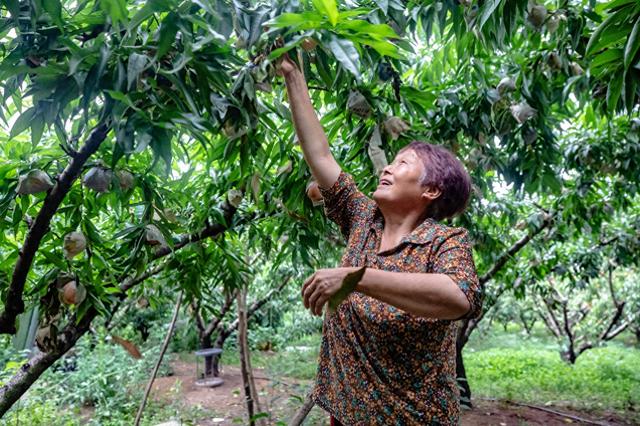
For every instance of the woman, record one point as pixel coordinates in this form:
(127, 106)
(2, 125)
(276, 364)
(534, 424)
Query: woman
(388, 351)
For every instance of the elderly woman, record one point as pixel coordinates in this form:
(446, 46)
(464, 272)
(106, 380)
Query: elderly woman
(388, 351)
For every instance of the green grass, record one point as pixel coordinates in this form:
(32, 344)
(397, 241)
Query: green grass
(505, 365)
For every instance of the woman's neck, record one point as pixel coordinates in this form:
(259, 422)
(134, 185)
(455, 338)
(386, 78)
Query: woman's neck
(397, 225)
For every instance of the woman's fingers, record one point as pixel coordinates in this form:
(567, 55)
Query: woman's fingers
(320, 304)
(314, 298)
(307, 289)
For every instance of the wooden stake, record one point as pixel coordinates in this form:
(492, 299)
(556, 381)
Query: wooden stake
(165, 345)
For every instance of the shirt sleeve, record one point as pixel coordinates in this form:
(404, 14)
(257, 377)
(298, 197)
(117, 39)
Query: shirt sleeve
(344, 203)
(455, 259)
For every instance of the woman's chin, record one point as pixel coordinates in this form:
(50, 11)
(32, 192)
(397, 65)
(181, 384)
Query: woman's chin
(381, 195)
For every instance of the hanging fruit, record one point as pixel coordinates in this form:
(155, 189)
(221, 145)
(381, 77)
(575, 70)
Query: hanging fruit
(235, 197)
(313, 192)
(98, 179)
(358, 104)
(74, 244)
(153, 236)
(554, 22)
(522, 112)
(555, 61)
(506, 85)
(34, 182)
(309, 44)
(395, 126)
(72, 293)
(575, 68)
(126, 180)
(537, 15)
(62, 280)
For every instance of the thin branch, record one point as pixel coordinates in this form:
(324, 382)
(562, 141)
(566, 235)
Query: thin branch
(302, 412)
(14, 305)
(610, 282)
(165, 345)
(614, 321)
(567, 325)
(195, 307)
(552, 317)
(256, 306)
(213, 324)
(619, 330)
(515, 248)
(549, 324)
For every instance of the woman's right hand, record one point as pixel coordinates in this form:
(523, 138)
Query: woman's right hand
(285, 66)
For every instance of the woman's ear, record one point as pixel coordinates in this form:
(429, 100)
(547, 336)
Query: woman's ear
(430, 193)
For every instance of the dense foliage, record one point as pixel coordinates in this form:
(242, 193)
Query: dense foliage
(150, 127)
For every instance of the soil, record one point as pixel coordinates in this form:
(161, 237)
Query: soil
(224, 405)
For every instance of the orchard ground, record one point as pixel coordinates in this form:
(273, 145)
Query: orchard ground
(516, 380)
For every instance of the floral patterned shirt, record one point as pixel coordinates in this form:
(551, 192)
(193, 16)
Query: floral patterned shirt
(378, 364)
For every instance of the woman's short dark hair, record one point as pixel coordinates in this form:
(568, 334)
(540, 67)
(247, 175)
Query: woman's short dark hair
(445, 172)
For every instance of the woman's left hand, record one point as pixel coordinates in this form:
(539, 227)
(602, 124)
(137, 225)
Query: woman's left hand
(319, 287)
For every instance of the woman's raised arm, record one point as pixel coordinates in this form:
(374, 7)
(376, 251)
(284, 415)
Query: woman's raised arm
(313, 140)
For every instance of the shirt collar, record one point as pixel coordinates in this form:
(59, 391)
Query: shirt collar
(422, 234)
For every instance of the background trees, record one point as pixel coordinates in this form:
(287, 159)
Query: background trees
(166, 141)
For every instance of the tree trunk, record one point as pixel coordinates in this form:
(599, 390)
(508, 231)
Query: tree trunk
(205, 343)
(34, 367)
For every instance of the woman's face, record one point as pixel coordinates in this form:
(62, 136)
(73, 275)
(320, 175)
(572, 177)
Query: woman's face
(401, 182)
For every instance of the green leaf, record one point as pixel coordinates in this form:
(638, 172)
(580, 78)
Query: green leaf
(348, 286)
(633, 44)
(298, 21)
(167, 33)
(383, 47)
(613, 92)
(604, 58)
(597, 40)
(346, 53)
(161, 146)
(54, 8)
(37, 128)
(329, 8)
(378, 31)
(487, 10)
(22, 123)
(116, 9)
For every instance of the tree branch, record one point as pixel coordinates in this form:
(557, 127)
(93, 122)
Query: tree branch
(213, 324)
(515, 248)
(195, 307)
(11, 391)
(14, 305)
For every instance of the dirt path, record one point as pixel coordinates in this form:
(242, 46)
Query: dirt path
(226, 403)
